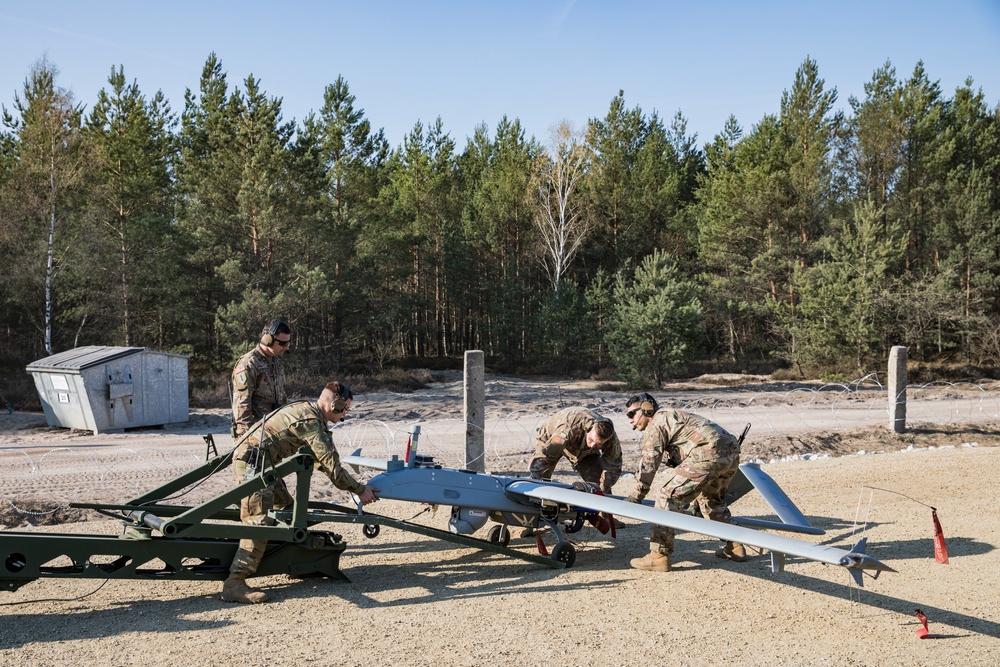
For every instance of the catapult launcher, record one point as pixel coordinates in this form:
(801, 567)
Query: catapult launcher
(161, 540)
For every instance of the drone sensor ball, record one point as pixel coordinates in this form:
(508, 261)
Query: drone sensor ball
(465, 521)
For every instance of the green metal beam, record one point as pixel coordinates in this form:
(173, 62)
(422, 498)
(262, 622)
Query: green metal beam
(134, 555)
(340, 514)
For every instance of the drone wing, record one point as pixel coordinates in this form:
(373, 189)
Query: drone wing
(749, 477)
(356, 461)
(855, 560)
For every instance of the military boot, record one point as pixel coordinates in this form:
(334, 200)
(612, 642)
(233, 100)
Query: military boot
(733, 551)
(653, 561)
(236, 590)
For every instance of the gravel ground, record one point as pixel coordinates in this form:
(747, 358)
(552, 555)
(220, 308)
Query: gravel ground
(413, 600)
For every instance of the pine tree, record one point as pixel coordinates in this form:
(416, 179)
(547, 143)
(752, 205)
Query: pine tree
(132, 211)
(850, 300)
(350, 156)
(656, 320)
(497, 187)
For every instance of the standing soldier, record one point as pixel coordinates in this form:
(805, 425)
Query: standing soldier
(273, 439)
(704, 457)
(259, 378)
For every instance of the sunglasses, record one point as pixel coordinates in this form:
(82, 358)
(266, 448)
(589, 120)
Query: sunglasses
(283, 343)
(631, 413)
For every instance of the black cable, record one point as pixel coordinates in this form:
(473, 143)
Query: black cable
(11, 604)
(877, 488)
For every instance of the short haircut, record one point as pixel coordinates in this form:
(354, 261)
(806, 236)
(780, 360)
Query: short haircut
(642, 398)
(338, 389)
(604, 429)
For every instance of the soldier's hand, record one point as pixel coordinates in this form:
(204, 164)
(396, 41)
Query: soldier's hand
(632, 498)
(368, 495)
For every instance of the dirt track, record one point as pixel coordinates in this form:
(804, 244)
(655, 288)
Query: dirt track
(416, 601)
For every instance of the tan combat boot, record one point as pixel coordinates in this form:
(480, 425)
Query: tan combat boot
(236, 590)
(733, 551)
(653, 561)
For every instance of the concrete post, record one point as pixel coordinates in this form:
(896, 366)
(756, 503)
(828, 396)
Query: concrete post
(897, 389)
(475, 410)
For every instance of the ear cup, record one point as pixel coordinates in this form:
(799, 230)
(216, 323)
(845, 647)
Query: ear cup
(647, 408)
(339, 404)
(267, 338)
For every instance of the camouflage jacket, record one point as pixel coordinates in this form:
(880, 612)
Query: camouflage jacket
(565, 434)
(682, 437)
(295, 425)
(258, 388)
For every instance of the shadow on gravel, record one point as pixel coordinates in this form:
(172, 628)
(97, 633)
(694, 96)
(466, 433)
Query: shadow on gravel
(94, 621)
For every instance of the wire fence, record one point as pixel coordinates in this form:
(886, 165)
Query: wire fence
(39, 483)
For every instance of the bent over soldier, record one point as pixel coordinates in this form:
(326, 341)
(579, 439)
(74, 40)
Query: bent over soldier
(704, 458)
(586, 439)
(259, 378)
(272, 439)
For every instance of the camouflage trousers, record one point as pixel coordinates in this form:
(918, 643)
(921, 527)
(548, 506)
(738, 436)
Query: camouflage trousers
(253, 511)
(704, 483)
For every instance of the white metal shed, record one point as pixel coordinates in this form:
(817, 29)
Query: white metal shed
(106, 389)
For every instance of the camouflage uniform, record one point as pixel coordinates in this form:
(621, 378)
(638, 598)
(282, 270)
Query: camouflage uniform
(258, 388)
(565, 434)
(298, 424)
(704, 457)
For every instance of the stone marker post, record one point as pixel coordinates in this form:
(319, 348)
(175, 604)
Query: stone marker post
(475, 410)
(897, 388)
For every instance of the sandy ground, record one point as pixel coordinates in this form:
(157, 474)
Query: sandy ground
(414, 600)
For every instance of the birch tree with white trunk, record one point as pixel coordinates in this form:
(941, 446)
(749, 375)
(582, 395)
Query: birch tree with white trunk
(559, 218)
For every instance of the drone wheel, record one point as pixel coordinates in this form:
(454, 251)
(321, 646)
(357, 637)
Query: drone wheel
(565, 553)
(371, 530)
(499, 535)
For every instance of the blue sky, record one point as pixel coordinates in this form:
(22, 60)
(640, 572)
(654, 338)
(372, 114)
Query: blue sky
(471, 62)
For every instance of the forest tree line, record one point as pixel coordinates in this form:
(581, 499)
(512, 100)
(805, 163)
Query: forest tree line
(816, 238)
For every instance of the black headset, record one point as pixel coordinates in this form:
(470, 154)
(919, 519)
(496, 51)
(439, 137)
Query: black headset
(340, 401)
(273, 327)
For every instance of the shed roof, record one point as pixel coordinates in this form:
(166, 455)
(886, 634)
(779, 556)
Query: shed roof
(82, 357)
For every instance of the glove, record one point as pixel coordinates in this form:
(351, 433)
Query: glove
(632, 498)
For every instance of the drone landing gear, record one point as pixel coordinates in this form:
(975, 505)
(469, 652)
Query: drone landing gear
(563, 552)
(499, 534)
(537, 526)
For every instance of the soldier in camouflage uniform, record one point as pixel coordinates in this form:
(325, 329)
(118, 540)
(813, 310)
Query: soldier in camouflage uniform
(586, 439)
(274, 438)
(704, 458)
(259, 378)
(589, 443)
